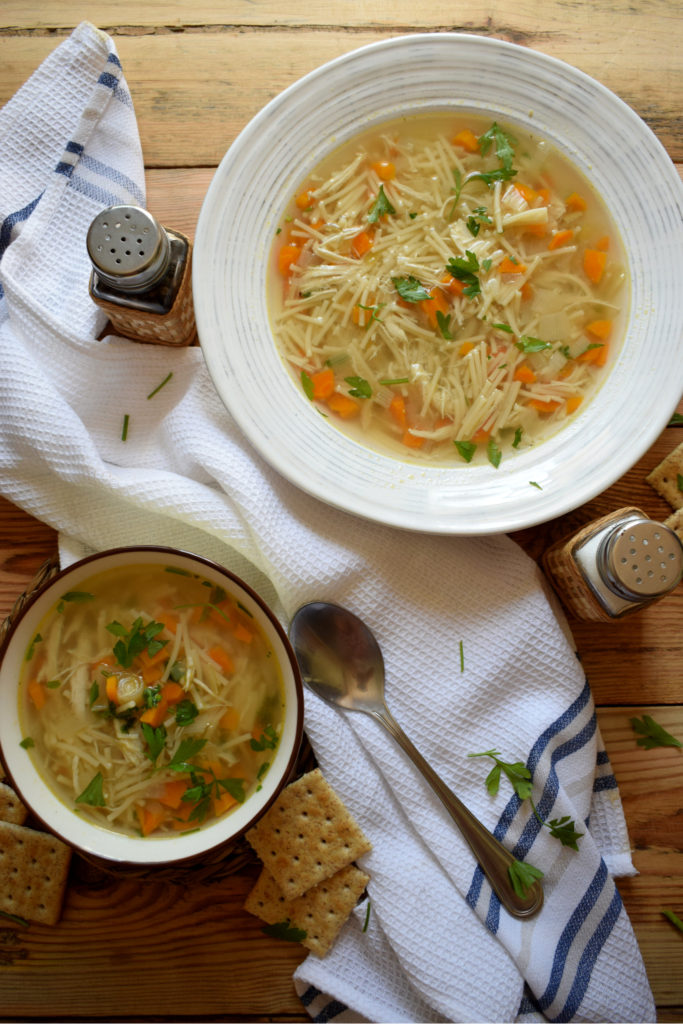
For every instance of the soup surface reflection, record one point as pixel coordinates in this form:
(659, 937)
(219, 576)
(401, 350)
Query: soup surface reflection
(447, 288)
(151, 701)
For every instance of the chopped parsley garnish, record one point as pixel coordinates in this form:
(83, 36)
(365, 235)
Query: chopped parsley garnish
(202, 791)
(443, 322)
(525, 343)
(154, 738)
(476, 219)
(124, 428)
(186, 750)
(410, 289)
(151, 696)
(466, 449)
(53, 684)
(160, 386)
(523, 876)
(307, 385)
(465, 268)
(380, 207)
(284, 930)
(94, 693)
(358, 387)
(27, 742)
(32, 646)
(396, 380)
(493, 453)
(676, 420)
(651, 734)
(132, 642)
(267, 741)
(186, 711)
(374, 311)
(534, 484)
(674, 918)
(517, 437)
(366, 922)
(93, 794)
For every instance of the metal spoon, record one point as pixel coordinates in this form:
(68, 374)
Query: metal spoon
(340, 660)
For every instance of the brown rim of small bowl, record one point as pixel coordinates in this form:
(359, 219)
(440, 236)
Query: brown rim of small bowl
(290, 769)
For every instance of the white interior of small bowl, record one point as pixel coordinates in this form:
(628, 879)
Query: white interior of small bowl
(609, 144)
(73, 827)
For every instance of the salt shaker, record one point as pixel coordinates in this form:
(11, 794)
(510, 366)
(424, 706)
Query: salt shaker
(142, 276)
(615, 565)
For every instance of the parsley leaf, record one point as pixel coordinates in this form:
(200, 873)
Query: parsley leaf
(564, 830)
(307, 385)
(133, 642)
(466, 449)
(32, 646)
(151, 696)
(93, 794)
(465, 268)
(267, 741)
(443, 323)
(410, 289)
(493, 453)
(358, 387)
(27, 743)
(523, 876)
(525, 343)
(380, 207)
(516, 771)
(652, 734)
(186, 750)
(504, 145)
(155, 740)
(517, 438)
(676, 420)
(186, 711)
(285, 930)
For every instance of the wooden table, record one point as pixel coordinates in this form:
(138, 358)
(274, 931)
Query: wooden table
(197, 73)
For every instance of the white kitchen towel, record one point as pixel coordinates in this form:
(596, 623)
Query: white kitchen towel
(477, 656)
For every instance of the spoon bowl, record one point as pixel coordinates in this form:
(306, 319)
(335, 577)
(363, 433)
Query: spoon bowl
(341, 661)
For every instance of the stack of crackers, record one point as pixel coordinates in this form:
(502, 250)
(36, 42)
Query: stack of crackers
(666, 480)
(308, 842)
(33, 865)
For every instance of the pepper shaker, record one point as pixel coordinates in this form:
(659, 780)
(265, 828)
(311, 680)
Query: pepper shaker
(615, 565)
(142, 276)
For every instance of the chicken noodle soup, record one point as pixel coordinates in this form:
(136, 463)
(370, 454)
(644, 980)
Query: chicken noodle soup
(151, 700)
(448, 287)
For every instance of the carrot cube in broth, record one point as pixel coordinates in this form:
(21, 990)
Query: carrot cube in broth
(343, 405)
(467, 140)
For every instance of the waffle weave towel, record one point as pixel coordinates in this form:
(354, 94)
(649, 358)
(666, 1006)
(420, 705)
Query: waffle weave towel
(437, 946)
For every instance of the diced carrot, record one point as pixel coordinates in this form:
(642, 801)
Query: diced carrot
(411, 440)
(154, 659)
(229, 720)
(343, 405)
(181, 816)
(361, 244)
(573, 403)
(108, 661)
(438, 303)
(537, 230)
(526, 192)
(111, 688)
(481, 436)
(152, 674)
(172, 692)
(544, 194)
(243, 634)
(173, 793)
(323, 384)
(465, 348)
(384, 169)
(600, 329)
(155, 716)
(543, 407)
(223, 803)
(287, 255)
(561, 238)
(597, 355)
(452, 285)
(575, 202)
(602, 243)
(525, 374)
(397, 408)
(222, 659)
(304, 200)
(526, 291)
(37, 693)
(170, 622)
(508, 266)
(467, 140)
(594, 264)
(150, 815)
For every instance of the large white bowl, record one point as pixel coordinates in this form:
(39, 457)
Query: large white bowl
(609, 144)
(77, 830)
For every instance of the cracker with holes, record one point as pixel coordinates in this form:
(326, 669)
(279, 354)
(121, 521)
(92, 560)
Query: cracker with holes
(307, 835)
(675, 522)
(319, 913)
(33, 873)
(667, 476)
(11, 807)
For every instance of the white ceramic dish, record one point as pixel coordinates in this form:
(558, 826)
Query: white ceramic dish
(611, 146)
(75, 829)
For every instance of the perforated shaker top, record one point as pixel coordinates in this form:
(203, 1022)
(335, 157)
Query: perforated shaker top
(128, 248)
(643, 559)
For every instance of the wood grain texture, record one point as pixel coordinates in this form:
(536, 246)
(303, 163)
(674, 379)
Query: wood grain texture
(197, 73)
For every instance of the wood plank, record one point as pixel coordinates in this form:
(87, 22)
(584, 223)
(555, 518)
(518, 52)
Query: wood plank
(188, 115)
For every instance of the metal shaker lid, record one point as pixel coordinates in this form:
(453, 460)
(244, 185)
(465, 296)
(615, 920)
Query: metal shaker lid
(641, 560)
(128, 248)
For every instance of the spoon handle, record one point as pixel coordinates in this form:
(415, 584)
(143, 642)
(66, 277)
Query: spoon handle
(492, 856)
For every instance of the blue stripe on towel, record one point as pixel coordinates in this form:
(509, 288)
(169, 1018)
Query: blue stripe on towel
(333, 1009)
(589, 957)
(9, 223)
(114, 175)
(101, 195)
(604, 782)
(569, 933)
(106, 78)
(602, 758)
(513, 805)
(309, 995)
